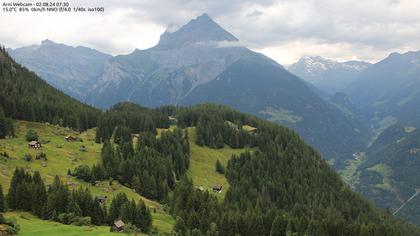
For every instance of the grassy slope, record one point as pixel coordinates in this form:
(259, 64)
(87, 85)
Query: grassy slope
(30, 225)
(385, 171)
(203, 164)
(61, 159)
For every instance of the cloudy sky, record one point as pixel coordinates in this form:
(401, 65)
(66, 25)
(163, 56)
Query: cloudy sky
(284, 29)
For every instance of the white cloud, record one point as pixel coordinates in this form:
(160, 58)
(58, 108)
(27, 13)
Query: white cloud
(282, 29)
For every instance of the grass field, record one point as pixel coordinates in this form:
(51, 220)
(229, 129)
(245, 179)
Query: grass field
(203, 164)
(32, 226)
(385, 171)
(61, 156)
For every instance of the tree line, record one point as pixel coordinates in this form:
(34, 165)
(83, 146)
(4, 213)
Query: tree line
(24, 96)
(6, 125)
(57, 202)
(131, 116)
(283, 187)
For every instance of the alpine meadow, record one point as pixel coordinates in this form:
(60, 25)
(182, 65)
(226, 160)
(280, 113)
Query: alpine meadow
(250, 120)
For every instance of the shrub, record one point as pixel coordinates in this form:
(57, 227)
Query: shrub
(83, 172)
(31, 135)
(219, 167)
(41, 156)
(12, 228)
(71, 219)
(27, 157)
(83, 148)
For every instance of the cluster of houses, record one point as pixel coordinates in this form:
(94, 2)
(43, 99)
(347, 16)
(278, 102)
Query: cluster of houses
(37, 145)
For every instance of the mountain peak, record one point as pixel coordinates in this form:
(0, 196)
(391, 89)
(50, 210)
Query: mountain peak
(47, 41)
(198, 30)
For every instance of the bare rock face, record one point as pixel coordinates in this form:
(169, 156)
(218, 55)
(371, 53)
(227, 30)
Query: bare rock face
(328, 75)
(73, 70)
(166, 73)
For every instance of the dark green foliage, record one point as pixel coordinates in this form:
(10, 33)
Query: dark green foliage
(217, 125)
(27, 192)
(130, 212)
(58, 198)
(31, 135)
(279, 226)
(39, 197)
(41, 156)
(214, 130)
(282, 188)
(2, 203)
(6, 125)
(157, 162)
(24, 96)
(394, 156)
(27, 157)
(83, 172)
(126, 118)
(9, 226)
(219, 167)
(257, 85)
(72, 219)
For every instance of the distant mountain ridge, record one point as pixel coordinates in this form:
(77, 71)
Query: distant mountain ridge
(73, 70)
(390, 88)
(329, 75)
(202, 62)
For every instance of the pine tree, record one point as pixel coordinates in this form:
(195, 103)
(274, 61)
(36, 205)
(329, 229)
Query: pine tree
(31, 135)
(97, 213)
(3, 125)
(278, 227)
(72, 207)
(2, 205)
(219, 167)
(180, 226)
(12, 196)
(39, 195)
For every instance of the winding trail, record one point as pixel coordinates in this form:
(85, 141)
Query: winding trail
(403, 205)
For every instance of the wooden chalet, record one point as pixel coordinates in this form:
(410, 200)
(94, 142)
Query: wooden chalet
(173, 120)
(70, 138)
(118, 226)
(217, 188)
(102, 199)
(34, 144)
(252, 131)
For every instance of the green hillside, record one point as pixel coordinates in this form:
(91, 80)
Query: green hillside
(31, 225)
(61, 156)
(25, 96)
(203, 162)
(389, 175)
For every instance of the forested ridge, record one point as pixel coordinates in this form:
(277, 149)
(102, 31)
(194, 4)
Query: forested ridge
(281, 187)
(79, 207)
(24, 96)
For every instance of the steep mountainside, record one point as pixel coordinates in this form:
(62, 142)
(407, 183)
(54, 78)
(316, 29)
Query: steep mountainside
(73, 70)
(281, 187)
(389, 176)
(164, 74)
(257, 85)
(390, 88)
(24, 96)
(202, 54)
(329, 75)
